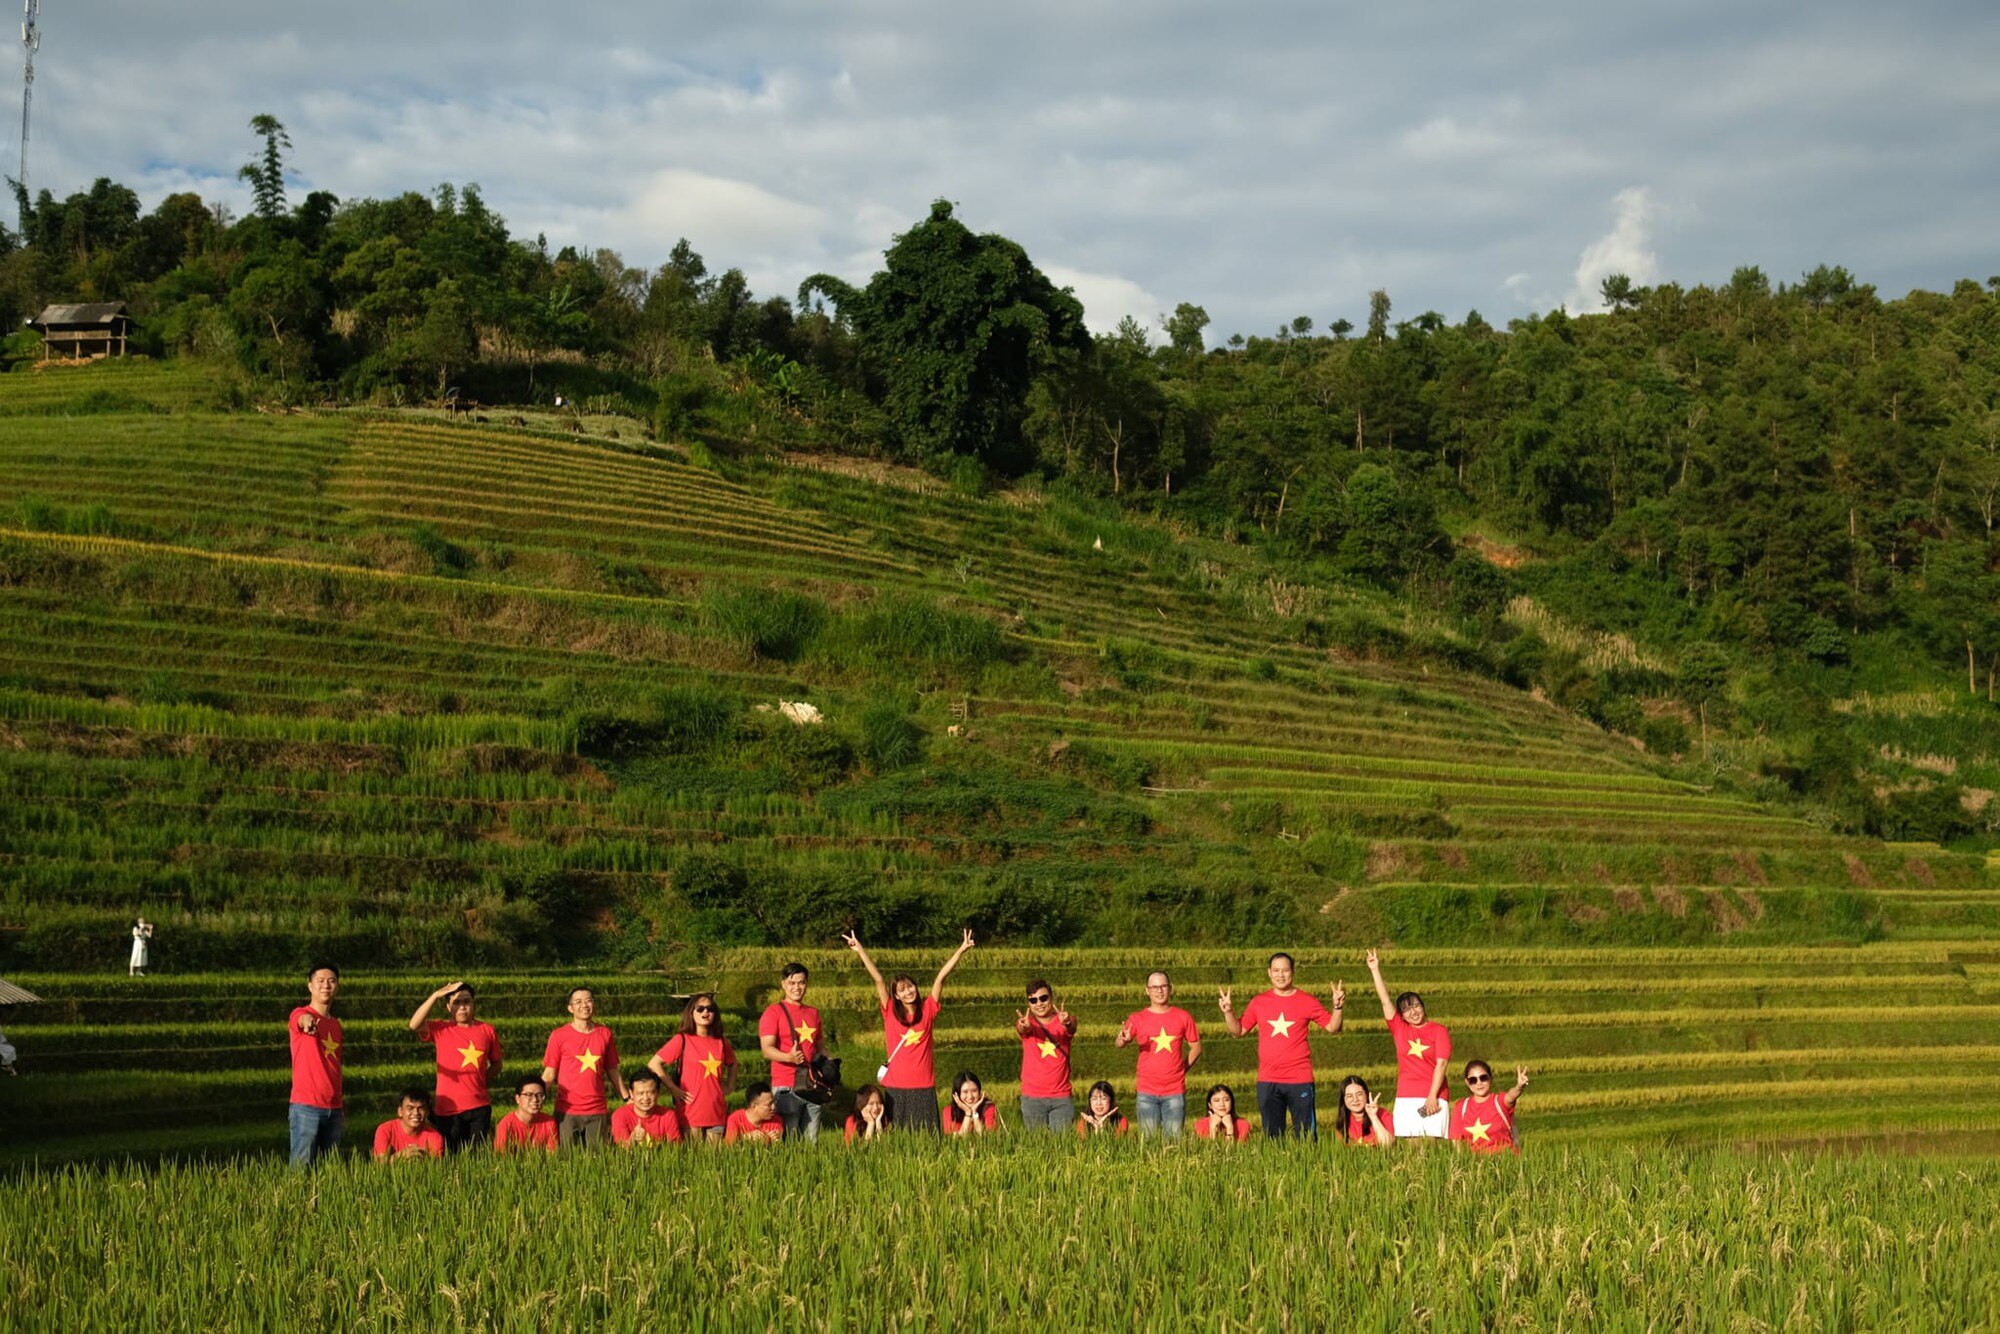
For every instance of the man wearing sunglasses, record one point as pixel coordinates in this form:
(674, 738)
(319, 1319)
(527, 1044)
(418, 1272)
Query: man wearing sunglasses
(1169, 1045)
(1047, 1100)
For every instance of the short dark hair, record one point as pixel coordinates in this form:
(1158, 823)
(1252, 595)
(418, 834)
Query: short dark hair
(1280, 955)
(462, 989)
(319, 968)
(755, 1091)
(1040, 984)
(535, 1080)
(644, 1075)
(1404, 1001)
(1475, 1061)
(792, 970)
(572, 993)
(415, 1093)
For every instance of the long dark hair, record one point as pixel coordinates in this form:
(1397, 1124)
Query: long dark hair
(1343, 1119)
(688, 1029)
(1225, 1089)
(861, 1098)
(906, 1017)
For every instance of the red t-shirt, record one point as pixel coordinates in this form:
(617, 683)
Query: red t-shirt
(1163, 1042)
(954, 1115)
(583, 1063)
(1360, 1130)
(909, 1047)
(1117, 1125)
(1419, 1051)
(316, 1059)
(539, 1133)
(1282, 1023)
(466, 1056)
(1045, 1059)
(855, 1128)
(1484, 1127)
(702, 1061)
(392, 1139)
(662, 1126)
(803, 1027)
(740, 1127)
(1202, 1130)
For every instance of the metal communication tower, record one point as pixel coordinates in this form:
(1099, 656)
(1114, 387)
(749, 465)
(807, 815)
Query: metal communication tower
(31, 42)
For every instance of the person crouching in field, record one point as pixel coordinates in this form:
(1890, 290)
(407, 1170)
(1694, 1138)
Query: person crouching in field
(644, 1122)
(529, 1127)
(1484, 1121)
(703, 1072)
(1423, 1047)
(1169, 1045)
(970, 1112)
(317, 1116)
(1357, 1116)
(1101, 1115)
(1222, 1124)
(909, 1073)
(1282, 1018)
(579, 1063)
(468, 1055)
(1046, 1030)
(870, 1119)
(757, 1120)
(409, 1134)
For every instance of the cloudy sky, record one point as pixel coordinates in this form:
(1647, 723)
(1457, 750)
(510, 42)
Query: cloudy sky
(1263, 160)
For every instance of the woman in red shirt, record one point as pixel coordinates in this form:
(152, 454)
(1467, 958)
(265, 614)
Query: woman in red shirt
(971, 1112)
(704, 1067)
(871, 1115)
(1357, 1116)
(1101, 1116)
(908, 1074)
(1222, 1124)
(1484, 1120)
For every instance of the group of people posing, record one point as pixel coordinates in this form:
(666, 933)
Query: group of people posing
(683, 1091)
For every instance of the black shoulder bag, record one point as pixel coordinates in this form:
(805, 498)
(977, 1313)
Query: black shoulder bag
(822, 1072)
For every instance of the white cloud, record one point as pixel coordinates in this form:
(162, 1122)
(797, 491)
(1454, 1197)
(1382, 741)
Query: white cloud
(749, 219)
(1107, 298)
(1626, 249)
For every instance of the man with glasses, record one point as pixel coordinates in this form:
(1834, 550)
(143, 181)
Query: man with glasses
(580, 1062)
(790, 1036)
(529, 1127)
(1169, 1045)
(1047, 1100)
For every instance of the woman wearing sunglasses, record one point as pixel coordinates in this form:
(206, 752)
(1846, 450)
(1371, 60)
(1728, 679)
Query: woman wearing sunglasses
(1483, 1121)
(697, 1068)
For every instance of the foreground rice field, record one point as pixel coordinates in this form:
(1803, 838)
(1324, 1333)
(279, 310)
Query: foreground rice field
(1102, 1235)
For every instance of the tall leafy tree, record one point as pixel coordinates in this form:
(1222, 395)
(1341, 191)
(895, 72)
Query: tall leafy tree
(267, 174)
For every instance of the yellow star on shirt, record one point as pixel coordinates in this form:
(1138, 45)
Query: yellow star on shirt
(1281, 1027)
(471, 1056)
(710, 1065)
(911, 1037)
(1046, 1048)
(588, 1060)
(1163, 1041)
(1418, 1047)
(1479, 1132)
(807, 1032)
(331, 1048)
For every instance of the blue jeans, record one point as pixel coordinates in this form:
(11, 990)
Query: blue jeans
(1164, 1112)
(801, 1118)
(315, 1132)
(1274, 1100)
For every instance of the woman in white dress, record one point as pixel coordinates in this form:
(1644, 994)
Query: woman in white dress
(141, 933)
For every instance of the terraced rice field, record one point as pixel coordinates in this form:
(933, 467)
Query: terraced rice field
(1873, 1046)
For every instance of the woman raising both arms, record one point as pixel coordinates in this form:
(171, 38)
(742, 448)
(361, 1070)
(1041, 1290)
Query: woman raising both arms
(908, 1074)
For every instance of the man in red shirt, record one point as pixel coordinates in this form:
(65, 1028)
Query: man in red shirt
(318, 1112)
(790, 1035)
(1048, 1102)
(642, 1122)
(1423, 1050)
(1169, 1045)
(468, 1055)
(580, 1061)
(529, 1127)
(1282, 1018)
(757, 1120)
(409, 1133)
